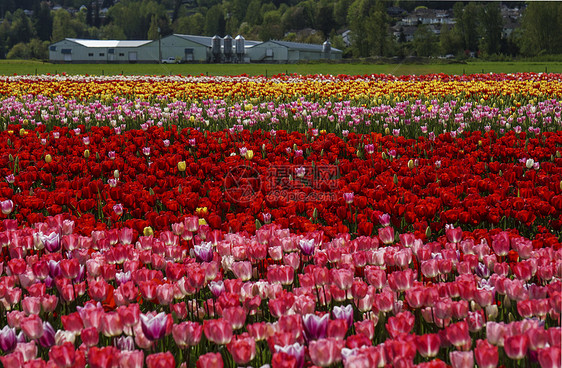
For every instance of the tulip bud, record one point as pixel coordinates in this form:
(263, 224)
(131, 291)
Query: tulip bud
(560, 185)
(428, 232)
(480, 143)
(410, 164)
(11, 158)
(48, 158)
(116, 174)
(500, 173)
(23, 132)
(148, 231)
(395, 179)
(249, 154)
(86, 153)
(258, 224)
(387, 131)
(315, 213)
(182, 166)
(491, 311)
(383, 155)
(558, 154)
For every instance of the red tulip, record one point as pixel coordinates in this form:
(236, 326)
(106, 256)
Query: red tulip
(210, 360)
(283, 360)
(550, 357)
(63, 355)
(236, 316)
(457, 334)
(218, 331)
(32, 326)
(428, 345)
(187, 333)
(325, 352)
(516, 346)
(386, 234)
(160, 360)
(104, 357)
(242, 349)
(486, 354)
(90, 336)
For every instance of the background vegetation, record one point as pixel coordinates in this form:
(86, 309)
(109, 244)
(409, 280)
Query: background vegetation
(478, 27)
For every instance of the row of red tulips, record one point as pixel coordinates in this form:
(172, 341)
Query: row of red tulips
(305, 182)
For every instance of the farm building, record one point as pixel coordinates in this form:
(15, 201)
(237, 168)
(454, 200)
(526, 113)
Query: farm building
(97, 51)
(188, 49)
(291, 52)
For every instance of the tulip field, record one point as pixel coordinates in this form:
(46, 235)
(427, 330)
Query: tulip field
(285, 222)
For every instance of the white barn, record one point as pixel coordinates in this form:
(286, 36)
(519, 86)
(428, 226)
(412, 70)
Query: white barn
(98, 51)
(292, 52)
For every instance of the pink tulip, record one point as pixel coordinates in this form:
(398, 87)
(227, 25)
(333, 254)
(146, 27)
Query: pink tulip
(218, 331)
(516, 346)
(462, 359)
(325, 352)
(550, 357)
(386, 235)
(32, 326)
(428, 345)
(210, 360)
(242, 348)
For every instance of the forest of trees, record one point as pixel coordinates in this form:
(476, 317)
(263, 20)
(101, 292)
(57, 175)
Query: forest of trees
(477, 29)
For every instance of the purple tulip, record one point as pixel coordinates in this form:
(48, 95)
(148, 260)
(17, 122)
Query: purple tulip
(8, 340)
(7, 206)
(315, 327)
(154, 327)
(51, 242)
(203, 252)
(307, 246)
(344, 312)
(348, 197)
(48, 338)
(126, 343)
(296, 350)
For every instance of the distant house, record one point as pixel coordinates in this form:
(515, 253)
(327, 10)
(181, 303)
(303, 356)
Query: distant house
(98, 51)
(291, 52)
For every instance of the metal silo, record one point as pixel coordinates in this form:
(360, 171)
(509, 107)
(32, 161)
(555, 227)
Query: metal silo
(327, 49)
(239, 48)
(216, 48)
(227, 46)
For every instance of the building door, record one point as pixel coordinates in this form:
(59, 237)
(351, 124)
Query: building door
(67, 57)
(132, 57)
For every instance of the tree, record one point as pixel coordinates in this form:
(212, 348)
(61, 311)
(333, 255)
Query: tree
(43, 21)
(215, 22)
(466, 26)
(324, 17)
(358, 20)
(154, 30)
(62, 27)
(193, 24)
(491, 25)
(449, 41)
(271, 26)
(540, 29)
(378, 35)
(21, 29)
(424, 41)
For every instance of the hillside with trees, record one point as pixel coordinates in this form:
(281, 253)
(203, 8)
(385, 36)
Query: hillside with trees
(362, 28)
